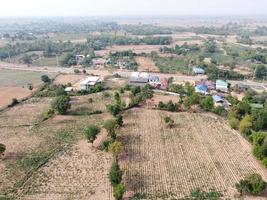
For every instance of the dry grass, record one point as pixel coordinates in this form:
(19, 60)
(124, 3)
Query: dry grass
(8, 93)
(26, 113)
(79, 173)
(64, 79)
(146, 64)
(200, 152)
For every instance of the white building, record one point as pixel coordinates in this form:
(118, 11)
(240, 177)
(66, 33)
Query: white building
(89, 82)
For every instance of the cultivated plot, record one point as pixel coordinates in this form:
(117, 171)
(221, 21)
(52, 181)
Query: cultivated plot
(199, 152)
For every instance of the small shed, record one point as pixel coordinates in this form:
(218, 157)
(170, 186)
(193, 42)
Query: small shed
(198, 70)
(68, 89)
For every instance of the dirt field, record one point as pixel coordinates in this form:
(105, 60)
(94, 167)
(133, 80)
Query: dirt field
(146, 64)
(200, 152)
(8, 93)
(64, 79)
(79, 173)
(52, 159)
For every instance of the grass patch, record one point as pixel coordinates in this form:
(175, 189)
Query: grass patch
(172, 65)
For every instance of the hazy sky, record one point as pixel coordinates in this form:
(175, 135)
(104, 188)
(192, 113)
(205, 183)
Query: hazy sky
(131, 7)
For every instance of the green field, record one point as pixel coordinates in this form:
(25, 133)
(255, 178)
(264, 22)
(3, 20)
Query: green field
(20, 78)
(171, 65)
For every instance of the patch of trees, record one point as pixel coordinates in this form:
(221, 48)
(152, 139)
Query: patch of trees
(210, 45)
(101, 41)
(215, 73)
(139, 95)
(126, 58)
(252, 184)
(251, 122)
(180, 50)
(170, 106)
(245, 39)
(146, 29)
(261, 72)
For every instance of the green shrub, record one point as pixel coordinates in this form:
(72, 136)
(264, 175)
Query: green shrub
(13, 102)
(48, 113)
(264, 162)
(252, 184)
(115, 174)
(233, 122)
(2, 148)
(219, 110)
(91, 132)
(246, 125)
(207, 103)
(118, 191)
(61, 104)
(119, 120)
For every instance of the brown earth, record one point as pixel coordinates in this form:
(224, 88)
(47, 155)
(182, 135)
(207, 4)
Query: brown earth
(199, 152)
(8, 93)
(146, 64)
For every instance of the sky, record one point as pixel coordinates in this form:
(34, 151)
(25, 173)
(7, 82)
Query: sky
(27, 8)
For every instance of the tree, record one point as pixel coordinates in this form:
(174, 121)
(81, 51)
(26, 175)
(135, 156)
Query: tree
(246, 125)
(210, 46)
(110, 126)
(252, 184)
(26, 59)
(169, 121)
(2, 149)
(91, 132)
(119, 120)
(207, 104)
(45, 79)
(61, 104)
(233, 122)
(118, 191)
(261, 72)
(115, 148)
(114, 109)
(30, 86)
(115, 174)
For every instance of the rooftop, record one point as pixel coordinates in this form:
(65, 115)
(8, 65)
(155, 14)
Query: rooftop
(89, 79)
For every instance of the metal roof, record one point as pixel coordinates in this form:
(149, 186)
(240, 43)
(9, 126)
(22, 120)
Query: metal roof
(217, 98)
(89, 79)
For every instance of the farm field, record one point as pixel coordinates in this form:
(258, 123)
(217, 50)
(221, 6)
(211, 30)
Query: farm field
(201, 151)
(146, 64)
(64, 79)
(14, 84)
(51, 159)
(20, 78)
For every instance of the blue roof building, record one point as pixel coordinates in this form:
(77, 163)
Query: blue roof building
(202, 88)
(217, 98)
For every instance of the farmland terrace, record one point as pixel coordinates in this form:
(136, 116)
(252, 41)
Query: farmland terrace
(201, 151)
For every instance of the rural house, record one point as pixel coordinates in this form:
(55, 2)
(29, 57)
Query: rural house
(202, 88)
(222, 86)
(89, 82)
(154, 81)
(139, 79)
